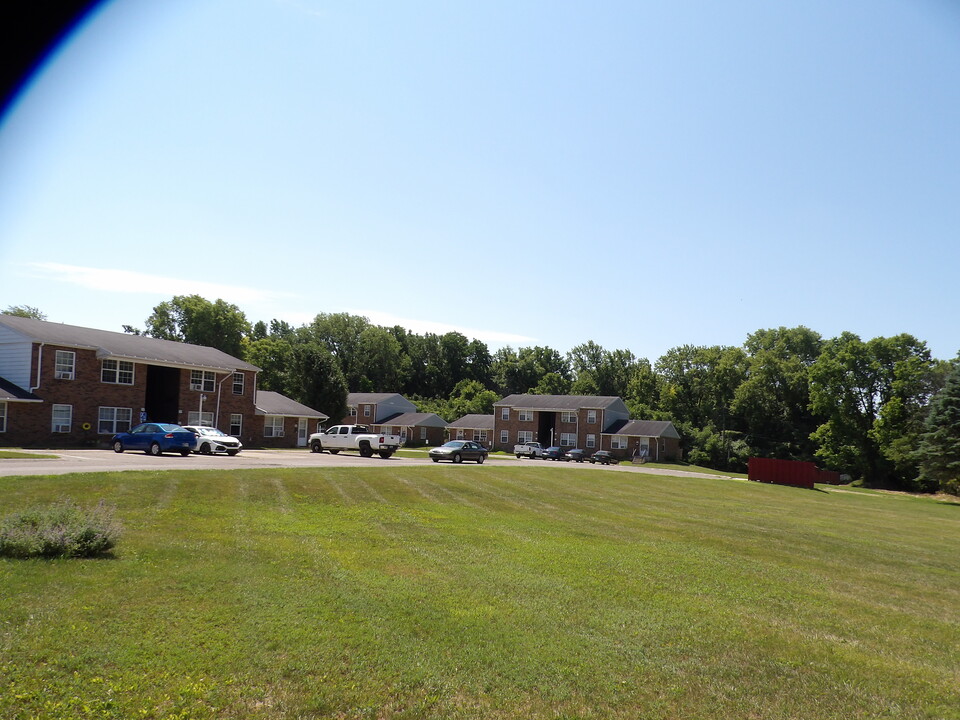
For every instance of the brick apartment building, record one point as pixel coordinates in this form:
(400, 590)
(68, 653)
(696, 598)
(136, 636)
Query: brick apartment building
(583, 421)
(64, 385)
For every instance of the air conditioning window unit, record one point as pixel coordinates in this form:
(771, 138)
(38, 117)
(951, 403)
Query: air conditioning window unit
(61, 428)
(63, 375)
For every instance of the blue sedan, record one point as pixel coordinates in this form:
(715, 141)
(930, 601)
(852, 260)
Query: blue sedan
(155, 439)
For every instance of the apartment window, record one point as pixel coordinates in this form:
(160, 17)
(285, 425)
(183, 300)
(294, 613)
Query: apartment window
(568, 439)
(618, 442)
(3, 417)
(526, 416)
(505, 413)
(66, 365)
(591, 441)
(459, 434)
(114, 420)
(202, 380)
(200, 418)
(353, 410)
(366, 411)
(480, 436)
(118, 372)
(236, 424)
(238, 383)
(504, 437)
(62, 418)
(525, 436)
(273, 426)
(568, 417)
(423, 433)
(591, 416)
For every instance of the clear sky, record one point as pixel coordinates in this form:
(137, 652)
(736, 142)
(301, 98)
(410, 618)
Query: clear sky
(641, 174)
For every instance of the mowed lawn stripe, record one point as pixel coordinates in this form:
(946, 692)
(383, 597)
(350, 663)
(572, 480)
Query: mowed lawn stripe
(500, 592)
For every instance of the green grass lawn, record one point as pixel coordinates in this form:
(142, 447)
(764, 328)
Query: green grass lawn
(484, 592)
(19, 455)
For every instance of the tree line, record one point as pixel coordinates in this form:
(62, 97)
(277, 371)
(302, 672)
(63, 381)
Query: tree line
(881, 410)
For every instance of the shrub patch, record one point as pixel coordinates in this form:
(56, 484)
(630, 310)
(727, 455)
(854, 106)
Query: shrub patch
(63, 529)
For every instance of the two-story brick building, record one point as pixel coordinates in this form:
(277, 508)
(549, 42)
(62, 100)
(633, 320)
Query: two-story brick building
(69, 385)
(584, 421)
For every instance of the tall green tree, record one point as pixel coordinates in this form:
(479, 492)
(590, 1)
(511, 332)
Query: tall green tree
(938, 453)
(315, 378)
(874, 396)
(193, 319)
(773, 401)
(698, 384)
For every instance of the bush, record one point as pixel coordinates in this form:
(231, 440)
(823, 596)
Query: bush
(61, 530)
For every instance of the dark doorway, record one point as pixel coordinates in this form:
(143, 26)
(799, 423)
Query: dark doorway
(545, 432)
(163, 394)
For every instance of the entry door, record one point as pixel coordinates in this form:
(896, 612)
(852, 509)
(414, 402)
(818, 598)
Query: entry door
(302, 432)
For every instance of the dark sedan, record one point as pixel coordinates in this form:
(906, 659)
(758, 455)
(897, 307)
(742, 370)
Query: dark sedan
(576, 455)
(604, 457)
(459, 450)
(155, 439)
(554, 453)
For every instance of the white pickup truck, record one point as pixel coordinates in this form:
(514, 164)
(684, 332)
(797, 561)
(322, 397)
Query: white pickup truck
(354, 437)
(528, 449)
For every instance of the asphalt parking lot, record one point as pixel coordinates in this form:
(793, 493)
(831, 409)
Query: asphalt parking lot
(99, 461)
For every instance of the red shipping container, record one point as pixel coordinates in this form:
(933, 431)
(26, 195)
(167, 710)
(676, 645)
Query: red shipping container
(783, 472)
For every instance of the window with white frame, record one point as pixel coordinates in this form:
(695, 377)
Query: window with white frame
(568, 439)
(272, 426)
(504, 437)
(505, 413)
(3, 417)
(200, 418)
(480, 436)
(423, 433)
(591, 416)
(118, 372)
(353, 410)
(238, 383)
(459, 433)
(236, 424)
(66, 365)
(525, 436)
(568, 416)
(62, 416)
(618, 442)
(113, 420)
(591, 441)
(202, 380)
(366, 411)
(526, 416)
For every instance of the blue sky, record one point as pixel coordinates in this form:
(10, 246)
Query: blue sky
(641, 174)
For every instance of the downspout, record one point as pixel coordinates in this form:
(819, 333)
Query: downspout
(216, 417)
(39, 365)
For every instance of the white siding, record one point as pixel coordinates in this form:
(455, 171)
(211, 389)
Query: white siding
(15, 358)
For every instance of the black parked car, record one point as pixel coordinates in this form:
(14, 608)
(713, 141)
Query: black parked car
(577, 455)
(554, 453)
(604, 457)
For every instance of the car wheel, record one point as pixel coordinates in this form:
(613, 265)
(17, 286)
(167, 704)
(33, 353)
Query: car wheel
(118, 447)
(480, 459)
(184, 452)
(518, 456)
(316, 446)
(366, 451)
(205, 449)
(435, 459)
(155, 449)
(457, 458)
(231, 453)
(385, 454)
(333, 452)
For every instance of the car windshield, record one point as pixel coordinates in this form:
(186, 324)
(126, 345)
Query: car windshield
(454, 444)
(167, 427)
(209, 431)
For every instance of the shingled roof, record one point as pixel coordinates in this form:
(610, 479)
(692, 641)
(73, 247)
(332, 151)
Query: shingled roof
(14, 393)
(273, 403)
(643, 428)
(473, 422)
(559, 402)
(138, 348)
